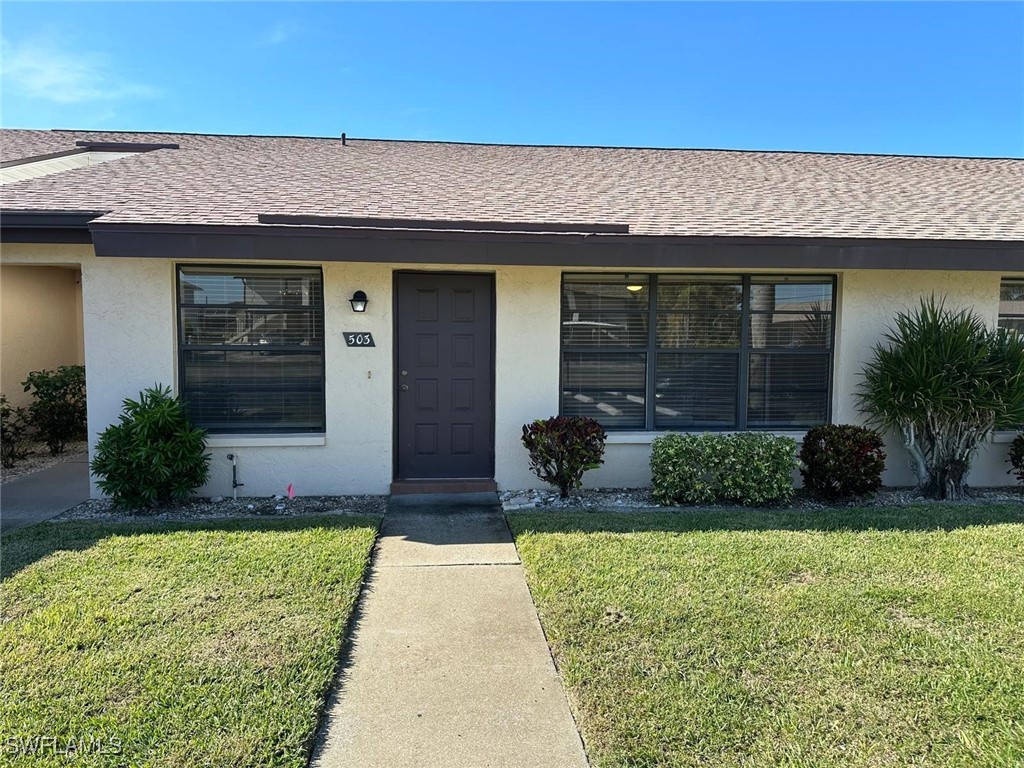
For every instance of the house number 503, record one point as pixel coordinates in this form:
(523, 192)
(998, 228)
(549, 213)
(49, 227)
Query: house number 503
(358, 339)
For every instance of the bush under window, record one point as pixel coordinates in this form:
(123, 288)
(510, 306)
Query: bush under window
(562, 448)
(153, 455)
(842, 460)
(744, 468)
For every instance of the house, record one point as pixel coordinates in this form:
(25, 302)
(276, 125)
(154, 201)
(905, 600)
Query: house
(653, 289)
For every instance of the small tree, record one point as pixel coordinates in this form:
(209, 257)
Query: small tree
(943, 380)
(57, 410)
(152, 455)
(562, 448)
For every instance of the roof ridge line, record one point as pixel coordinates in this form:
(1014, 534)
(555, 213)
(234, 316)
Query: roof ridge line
(184, 133)
(815, 153)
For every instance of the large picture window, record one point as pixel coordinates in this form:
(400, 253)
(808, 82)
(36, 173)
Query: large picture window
(252, 348)
(657, 352)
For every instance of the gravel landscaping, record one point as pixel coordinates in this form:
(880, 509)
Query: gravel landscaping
(40, 458)
(639, 499)
(591, 500)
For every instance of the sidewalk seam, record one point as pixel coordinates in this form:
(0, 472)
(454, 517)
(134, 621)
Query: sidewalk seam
(450, 565)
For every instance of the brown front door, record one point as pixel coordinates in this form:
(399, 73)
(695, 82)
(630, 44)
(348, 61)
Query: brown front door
(445, 375)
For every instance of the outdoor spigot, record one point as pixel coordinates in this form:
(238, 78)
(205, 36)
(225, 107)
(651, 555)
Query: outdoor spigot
(235, 485)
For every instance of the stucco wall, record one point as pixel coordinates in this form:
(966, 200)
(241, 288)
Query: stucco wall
(868, 300)
(130, 343)
(40, 323)
(357, 454)
(129, 333)
(127, 320)
(527, 351)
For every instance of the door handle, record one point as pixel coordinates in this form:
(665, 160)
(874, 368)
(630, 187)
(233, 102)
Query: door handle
(404, 387)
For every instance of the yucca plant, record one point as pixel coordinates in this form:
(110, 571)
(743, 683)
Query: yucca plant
(944, 380)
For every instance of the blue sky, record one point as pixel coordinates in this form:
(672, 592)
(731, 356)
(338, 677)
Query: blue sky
(909, 78)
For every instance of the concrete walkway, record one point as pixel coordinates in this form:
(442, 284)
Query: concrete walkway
(448, 665)
(44, 494)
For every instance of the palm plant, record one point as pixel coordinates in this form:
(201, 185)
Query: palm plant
(944, 381)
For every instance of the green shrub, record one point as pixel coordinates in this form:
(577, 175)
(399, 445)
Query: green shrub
(944, 381)
(152, 455)
(1016, 458)
(57, 410)
(15, 433)
(562, 448)
(744, 468)
(841, 460)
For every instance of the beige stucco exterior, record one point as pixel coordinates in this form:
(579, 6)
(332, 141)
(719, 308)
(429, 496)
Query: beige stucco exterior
(868, 299)
(130, 343)
(40, 323)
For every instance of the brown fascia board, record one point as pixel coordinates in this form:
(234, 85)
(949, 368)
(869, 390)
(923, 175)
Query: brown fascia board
(445, 225)
(326, 244)
(27, 218)
(123, 146)
(31, 226)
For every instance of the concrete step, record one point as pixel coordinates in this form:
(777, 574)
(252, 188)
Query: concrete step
(443, 485)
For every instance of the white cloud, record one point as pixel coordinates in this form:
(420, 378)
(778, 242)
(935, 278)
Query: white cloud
(41, 69)
(281, 33)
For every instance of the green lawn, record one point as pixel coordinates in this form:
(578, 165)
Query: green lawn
(773, 638)
(186, 644)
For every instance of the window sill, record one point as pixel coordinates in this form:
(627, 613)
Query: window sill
(263, 441)
(645, 438)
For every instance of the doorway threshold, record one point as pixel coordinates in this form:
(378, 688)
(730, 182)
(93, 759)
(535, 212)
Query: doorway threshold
(443, 485)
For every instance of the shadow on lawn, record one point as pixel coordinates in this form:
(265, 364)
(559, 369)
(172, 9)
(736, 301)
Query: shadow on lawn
(24, 546)
(917, 517)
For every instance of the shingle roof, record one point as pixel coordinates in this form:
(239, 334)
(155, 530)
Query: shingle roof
(230, 180)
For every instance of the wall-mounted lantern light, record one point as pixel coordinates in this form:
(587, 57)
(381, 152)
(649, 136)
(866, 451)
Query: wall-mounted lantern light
(359, 301)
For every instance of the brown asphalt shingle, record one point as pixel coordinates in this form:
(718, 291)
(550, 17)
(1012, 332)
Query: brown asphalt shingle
(232, 179)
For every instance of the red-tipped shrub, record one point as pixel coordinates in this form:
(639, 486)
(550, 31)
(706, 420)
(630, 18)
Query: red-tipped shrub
(562, 448)
(841, 460)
